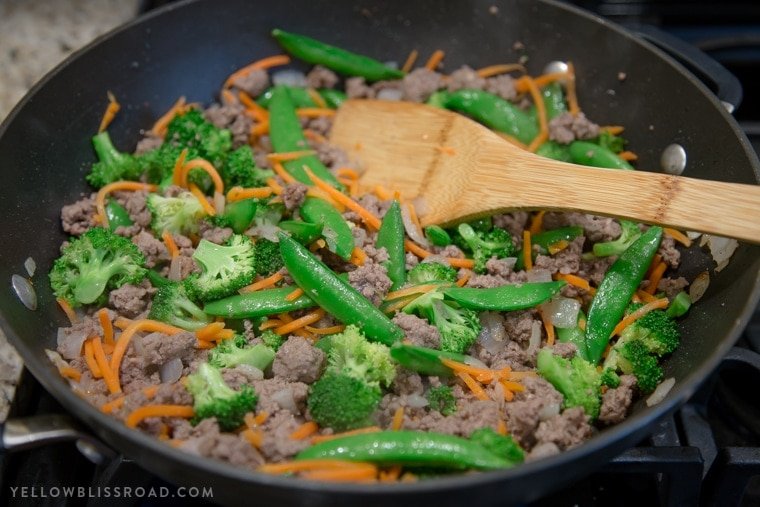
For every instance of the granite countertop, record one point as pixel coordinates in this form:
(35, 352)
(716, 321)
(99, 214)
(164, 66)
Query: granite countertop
(36, 35)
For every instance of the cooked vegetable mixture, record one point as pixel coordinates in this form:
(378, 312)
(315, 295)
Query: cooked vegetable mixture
(236, 292)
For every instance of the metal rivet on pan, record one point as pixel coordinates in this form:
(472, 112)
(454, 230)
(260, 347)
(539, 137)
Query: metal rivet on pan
(555, 66)
(673, 159)
(729, 106)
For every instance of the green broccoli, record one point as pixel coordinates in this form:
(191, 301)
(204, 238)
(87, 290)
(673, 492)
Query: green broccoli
(112, 165)
(214, 398)
(503, 446)
(427, 272)
(191, 130)
(266, 257)
(240, 170)
(633, 357)
(352, 355)
(225, 268)
(236, 351)
(172, 305)
(178, 215)
(656, 331)
(577, 380)
(459, 327)
(96, 261)
(441, 399)
(272, 340)
(629, 233)
(484, 245)
(159, 163)
(341, 402)
(610, 378)
(614, 143)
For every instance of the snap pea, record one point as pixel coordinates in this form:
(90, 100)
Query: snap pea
(257, 304)
(585, 153)
(679, 306)
(547, 238)
(506, 298)
(425, 360)
(336, 296)
(303, 232)
(494, 112)
(301, 98)
(574, 335)
(117, 215)
(410, 448)
(239, 214)
(437, 235)
(391, 237)
(615, 292)
(333, 98)
(554, 150)
(286, 135)
(554, 100)
(335, 229)
(341, 61)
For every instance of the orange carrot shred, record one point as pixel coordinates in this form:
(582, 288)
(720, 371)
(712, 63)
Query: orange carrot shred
(207, 207)
(100, 199)
(628, 156)
(537, 223)
(633, 316)
(269, 281)
(309, 318)
(473, 385)
(89, 358)
(110, 113)
(105, 323)
(161, 410)
(110, 376)
(240, 193)
(421, 252)
(254, 437)
(282, 173)
(208, 331)
(463, 281)
(549, 327)
(410, 60)
(576, 281)
(398, 419)
(297, 293)
(259, 113)
(655, 277)
(326, 330)
(68, 310)
(179, 167)
(435, 59)
(314, 136)
(678, 236)
(303, 465)
(138, 325)
(502, 68)
(415, 289)
(205, 165)
(527, 251)
(305, 430)
(501, 427)
(645, 296)
(314, 112)
(615, 130)
(170, 243)
(358, 257)
(340, 197)
(543, 123)
(572, 96)
(317, 98)
(263, 64)
(69, 372)
(287, 156)
(276, 187)
(159, 128)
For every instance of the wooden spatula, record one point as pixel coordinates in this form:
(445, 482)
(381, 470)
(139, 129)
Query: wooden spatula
(458, 170)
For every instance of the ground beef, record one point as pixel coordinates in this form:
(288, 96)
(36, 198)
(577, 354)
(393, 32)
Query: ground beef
(512, 355)
(448, 251)
(187, 265)
(371, 280)
(277, 444)
(542, 450)
(71, 337)
(407, 382)
(418, 331)
(207, 441)
(233, 118)
(596, 228)
(133, 373)
(566, 128)
(525, 413)
(565, 349)
(240, 376)
(519, 324)
(153, 249)
(297, 360)
(672, 286)
(361, 238)
(212, 233)
(130, 300)
(321, 77)
(136, 205)
(669, 252)
(148, 143)
(372, 204)
(565, 261)
(357, 88)
(332, 156)
(78, 218)
(268, 388)
(321, 125)
(254, 83)
(514, 222)
(420, 84)
(158, 348)
(471, 414)
(595, 268)
(500, 267)
(567, 430)
(410, 260)
(173, 394)
(293, 195)
(615, 402)
(465, 77)
(503, 86)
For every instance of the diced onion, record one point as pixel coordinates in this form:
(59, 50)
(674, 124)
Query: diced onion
(660, 392)
(535, 338)
(539, 275)
(699, 286)
(548, 411)
(474, 361)
(416, 401)
(284, 398)
(721, 250)
(171, 371)
(561, 311)
(389, 94)
(411, 230)
(289, 77)
(25, 291)
(30, 266)
(493, 335)
(56, 358)
(251, 371)
(266, 231)
(70, 342)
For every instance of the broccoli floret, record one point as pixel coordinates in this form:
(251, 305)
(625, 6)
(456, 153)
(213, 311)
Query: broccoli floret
(577, 380)
(426, 272)
(178, 215)
(629, 233)
(350, 354)
(459, 327)
(96, 261)
(484, 245)
(442, 399)
(172, 305)
(503, 446)
(266, 257)
(159, 163)
(341, 402)
(633, 357)
(191, 130)
(240, 170)
(236, 351)
(214, 398)
(112, 165)
(656, 331)
(272, 340)
(225, 268)
(610, 378)
(614, 143)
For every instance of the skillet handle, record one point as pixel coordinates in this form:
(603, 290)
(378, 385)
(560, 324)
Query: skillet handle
(715, 76)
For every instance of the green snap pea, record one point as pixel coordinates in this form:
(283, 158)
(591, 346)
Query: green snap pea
(615, 292)
(335, 229)
(585, 153)
(425, 360)
(574, 335)
(494, 112)
(344, 62)
(554, 100)
(301, 97)
(286, 135)
(391, 237)
(333, 98)
(117, 215)
(679, 306)
(554, 150)
(239, 214)
(506, 298)
(410, 448)
(548, 238)
(334, 295)
(257, 304)
(303, 232)
(437, 235)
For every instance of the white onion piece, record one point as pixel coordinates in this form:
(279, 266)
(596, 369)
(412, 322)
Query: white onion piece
(219, 203)
(411, 230)
(175, 269)
(284, 398)
(561, 311)
(721, 250)
(70, 342)
(539, 275)
(289, 77)
(267, 231)
(250, 371)
(25, 291)
(493, 335)
(535, 338)
(170, 371)
(660, 392)
(389, 94)
(416, 401)
(692, 235)
(56, 358)
(699, 286)
(548, 411)
(30, 266)
(474, 361)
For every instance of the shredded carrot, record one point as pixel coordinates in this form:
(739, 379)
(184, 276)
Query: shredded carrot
(170, 244)
(259, 129)
(205, 165)
(305, 430)
(137, 415)
(261, 418)
(263, 64)
(159, 128)
(615, 130)
(655, 262)
(633, 316)
(508, 395)
(501, 427)
(259, 113)
(410, 60)
(537, 223)
(317, 98)
(358, 257)
(204, 345)
(645, 296)
(208, 331)
(572, 96)
(391, 475)
(287, 156)
(502, 68)
(105, 323)
(582, 324)
(68, 310)
(415, 289)
(304, 465)
(276, 187)
(89, 358)
(110, 376)
(178, 167)
(297, 293)
(463, 281)
(628, 156)
(268, 324)
(314, 136)
(100, 200)
(347, 172)
(340, 197)
(635, 298)
(655, 277)
(527, 251)
(138, 325)
(354, 475)
(69, 372)
(483, 374)
(309, 318)
(254, 437)
(398, 419)
(240, 193)
(269, 281)
(546, 79)
(314, 112)
(576, 281)
(435, 59)
(228, 97)
(422, 253)
(122, 322)
(325, 438)
(224, 334)
(473, 385)
(110, 113)
(678, 236)
(543, 123)
(207, 207)
(282, 173)
(112, 405)
(382, 192)
(549, 329)
(325, 330)
(557, 247)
